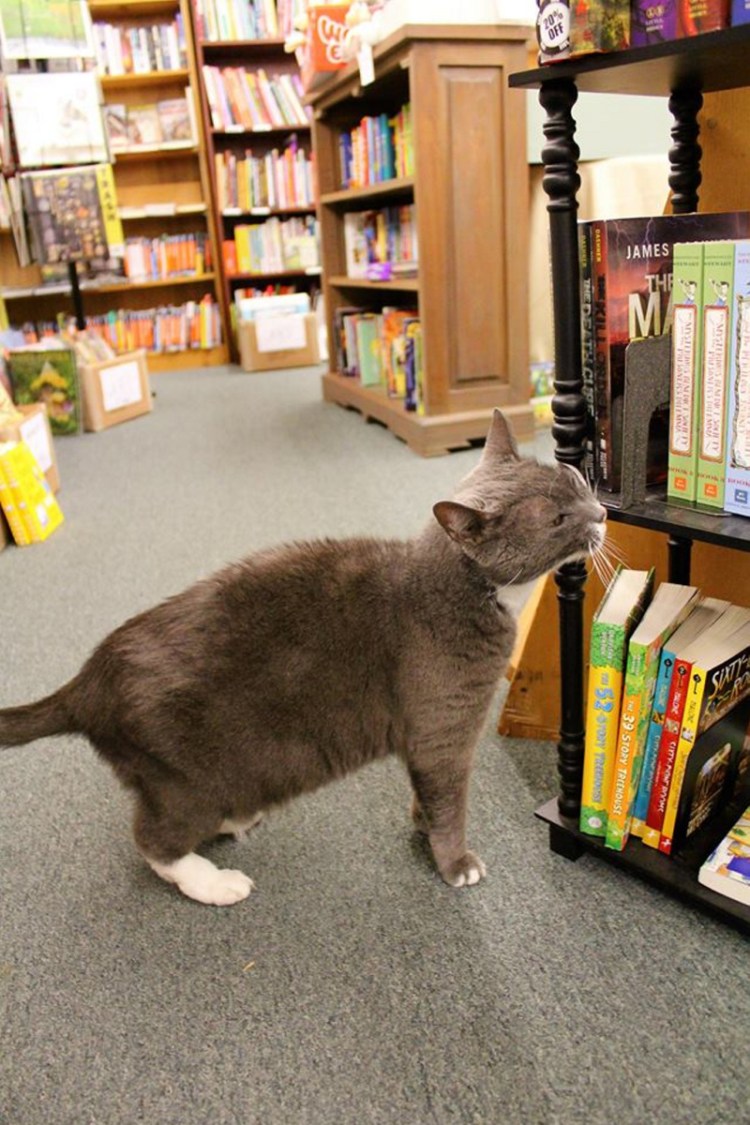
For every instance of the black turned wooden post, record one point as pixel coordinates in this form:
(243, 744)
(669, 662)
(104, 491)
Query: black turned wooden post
(561, 182)
(685, 154)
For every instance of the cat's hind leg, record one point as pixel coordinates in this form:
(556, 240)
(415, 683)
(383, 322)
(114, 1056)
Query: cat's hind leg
(166, 841)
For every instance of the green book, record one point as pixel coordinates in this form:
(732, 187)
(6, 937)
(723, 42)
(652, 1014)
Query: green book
(369, 349)
(49, 375)
(687, 288)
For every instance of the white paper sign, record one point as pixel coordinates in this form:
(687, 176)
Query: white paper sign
(280, 333)
(36, 435)
(121, 385)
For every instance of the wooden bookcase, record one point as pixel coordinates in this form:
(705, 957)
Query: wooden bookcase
(682, 70)
(470, 191)
(161, 175)
(249, 54)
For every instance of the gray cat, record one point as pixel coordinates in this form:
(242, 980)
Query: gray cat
(301, 663)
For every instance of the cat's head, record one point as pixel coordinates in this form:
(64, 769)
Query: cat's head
(519, 518)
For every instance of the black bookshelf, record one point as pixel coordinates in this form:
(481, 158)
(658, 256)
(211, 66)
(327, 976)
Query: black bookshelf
(682, 71)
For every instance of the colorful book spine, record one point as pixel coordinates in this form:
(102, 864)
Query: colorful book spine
(665, 758)
(687, 287)
(601, 389)
(588, 383)
(718, 284)
(737, 475)
(653, 737)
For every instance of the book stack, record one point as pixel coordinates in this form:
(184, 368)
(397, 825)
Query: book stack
(244, 100)
(272, 247)
(177, 255)
(139, 49)
(274, 181)
(382, 349)
(379, 148)
(169, 328)
(668, 705)
(25, 495)
(709, 447)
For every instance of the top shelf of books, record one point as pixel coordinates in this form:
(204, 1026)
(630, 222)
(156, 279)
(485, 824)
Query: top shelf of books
(716, 60)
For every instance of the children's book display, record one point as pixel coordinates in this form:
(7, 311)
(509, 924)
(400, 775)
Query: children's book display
(26, 498)
(57, 119)
(47, 372)
(668, 709)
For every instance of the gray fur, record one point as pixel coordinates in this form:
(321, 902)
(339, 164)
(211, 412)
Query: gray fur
(302, 663)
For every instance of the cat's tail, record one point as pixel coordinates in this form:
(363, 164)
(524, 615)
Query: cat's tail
(48, 716)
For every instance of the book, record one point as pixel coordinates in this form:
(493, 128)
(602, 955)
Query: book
(718, 283)
(715, 773)
(740, 12)
(687, 324)
(48, 373)
(12, 506)
(723, 624)
(653, 22)
(588, 385)
(369, 344)
(632, 285)
(175, 120)
(599, 25)
(393, 349)
(669, 607)
(698, 16)
(73, 214)
(719, 679)
(727, 869)
(737, 472)
(614, 620)
(42, 513)
(36, 29)
(57, 118)
(144, 126)
(701, 616)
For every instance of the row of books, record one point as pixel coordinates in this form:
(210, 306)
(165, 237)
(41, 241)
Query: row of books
(155, 125)
(567, 30)
(379, 148)
(26, 498)
(278, 179)
(627, 294)
(273, 246)
(386, 236)
(709, 446)
(170, 255)
(219, 21)
(382, 349)
(667, 711)
(134, 49)
(168, 328)
(243, 100)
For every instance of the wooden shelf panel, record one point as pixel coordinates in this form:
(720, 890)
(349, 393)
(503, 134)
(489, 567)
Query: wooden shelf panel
(143, 81)
(234, 132)
(93, 289)
(215, 48)
(656, 514)
(369, 193)
(716, 60)
(131, 9)
(402, 285)
(158, 152)
(672, 874)
(159, 362)
(311, 271)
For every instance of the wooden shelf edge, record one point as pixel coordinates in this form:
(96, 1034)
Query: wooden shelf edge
(665, 872)
(405, 285)
(368, 191)
(656, 514)
(161, 362)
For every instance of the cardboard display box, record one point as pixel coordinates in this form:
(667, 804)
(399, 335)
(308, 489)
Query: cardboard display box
(115, 390)
(34, 429)
(273, 342)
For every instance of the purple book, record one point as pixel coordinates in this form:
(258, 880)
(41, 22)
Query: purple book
(653, 21)
(740, 12)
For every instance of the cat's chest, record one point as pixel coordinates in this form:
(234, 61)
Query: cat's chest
(514, 598)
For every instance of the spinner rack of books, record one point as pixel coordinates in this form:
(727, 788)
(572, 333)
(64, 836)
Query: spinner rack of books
(109, 88)
(259, 149)
(681, 70)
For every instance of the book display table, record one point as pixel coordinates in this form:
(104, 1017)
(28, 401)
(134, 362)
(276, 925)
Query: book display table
(682, 70)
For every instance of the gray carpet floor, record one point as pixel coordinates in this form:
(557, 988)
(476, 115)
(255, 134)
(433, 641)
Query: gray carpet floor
(353, 986)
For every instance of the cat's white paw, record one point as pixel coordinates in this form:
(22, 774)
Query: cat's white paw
(201, 880)
(467, 872)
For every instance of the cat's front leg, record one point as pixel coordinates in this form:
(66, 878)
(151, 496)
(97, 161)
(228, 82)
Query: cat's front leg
(439, 811)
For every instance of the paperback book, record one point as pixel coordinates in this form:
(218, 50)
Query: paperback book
(718, 285)
(737, 482)
(727, 868)
(57, 119)
(73, 214)
(48, 373)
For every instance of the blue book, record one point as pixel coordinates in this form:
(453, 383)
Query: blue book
(740, 12)
(701, 617)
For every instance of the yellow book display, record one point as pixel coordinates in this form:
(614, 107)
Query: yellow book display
(13, 513)
(27, 483)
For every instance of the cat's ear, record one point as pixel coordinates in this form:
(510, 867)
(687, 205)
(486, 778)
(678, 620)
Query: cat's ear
(500, 444)
(463, 524)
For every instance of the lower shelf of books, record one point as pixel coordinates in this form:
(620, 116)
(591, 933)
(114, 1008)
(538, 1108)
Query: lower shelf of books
(676, 875)
(428, 435)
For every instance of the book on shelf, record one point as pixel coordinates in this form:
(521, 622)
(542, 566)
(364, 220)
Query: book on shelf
(700, 617)
(73, 214)
(414, 366)
(722, 623)
(718, 288)
(653, 23)
(168, 328)
(667, 610)
(246, 99)
(632, 298)
(719, 679)
(385, 236)
(599, 25)
(140, 49)
(727, 869)
(369, 332)
(35, 501)
(344, 359)
(393, 349)
(740, 12)
(57, 118)
(590, 464)
(36, 29)
(619, 611)
(737, 479)
(687, 350)
(698, 16)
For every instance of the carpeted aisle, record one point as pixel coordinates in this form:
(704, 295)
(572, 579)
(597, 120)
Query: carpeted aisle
(352, 987)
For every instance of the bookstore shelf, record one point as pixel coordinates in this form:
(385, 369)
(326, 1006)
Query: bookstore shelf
(682, 71)
(143, 81)
(237, 131)
(466, 128)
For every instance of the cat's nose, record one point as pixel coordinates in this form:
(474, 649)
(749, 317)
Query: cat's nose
(601, 514)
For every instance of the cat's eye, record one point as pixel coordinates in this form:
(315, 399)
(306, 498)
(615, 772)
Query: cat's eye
(558, 519)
